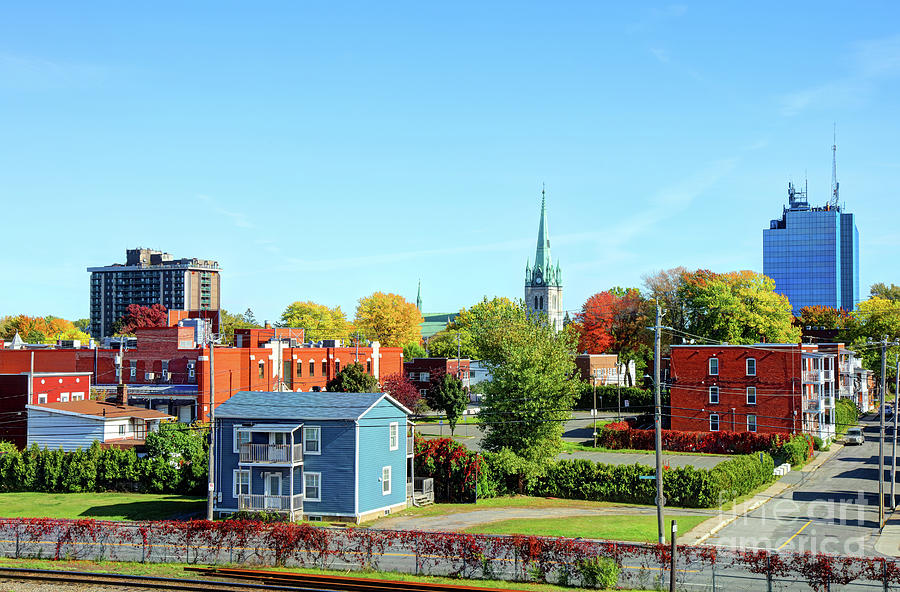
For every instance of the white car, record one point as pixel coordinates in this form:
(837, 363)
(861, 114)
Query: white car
(854, 436)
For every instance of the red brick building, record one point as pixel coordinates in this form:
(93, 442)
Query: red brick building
(169, 372)
(27, 388)
(760, 388)
(421, 371)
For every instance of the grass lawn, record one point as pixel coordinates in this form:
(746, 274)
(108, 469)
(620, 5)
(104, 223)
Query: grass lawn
(569, 447)
(621, 528)
(102, 506)
(516, 501)
(176, 570)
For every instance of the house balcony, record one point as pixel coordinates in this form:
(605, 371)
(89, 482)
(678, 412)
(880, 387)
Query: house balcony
(271, 454)
(420, 491)
(816, 376)
(271, 503)
(812, 406)
(829, 402)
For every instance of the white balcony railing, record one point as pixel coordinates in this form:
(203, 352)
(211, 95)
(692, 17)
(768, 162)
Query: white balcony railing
(271, 453)
(827, 375)
(813, 376)
(812, 406)
(274, 503)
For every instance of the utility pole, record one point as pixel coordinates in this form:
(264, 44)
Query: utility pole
(210, 498)
(357, 346)
(121, 360)
(660, 500)
(594, 410)
(673, 557)
(894, 445)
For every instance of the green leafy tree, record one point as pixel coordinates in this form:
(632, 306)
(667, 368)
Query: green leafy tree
(738, 307)
(83, 325)
(178, 458)
(882, 290)
(476, 326)
(443, 344)
(413, 350)
(531, 392)
(447, 395)
(353, 378)
(872, 320)
(823, 316)
(318, 321)
(389, 319)
(228, 322)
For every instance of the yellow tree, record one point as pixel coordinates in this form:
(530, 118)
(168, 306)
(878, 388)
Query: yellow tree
(318, 320)
(388, 319)
(40, 329)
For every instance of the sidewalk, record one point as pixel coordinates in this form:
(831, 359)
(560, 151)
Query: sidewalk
(706, 529)
(888, 542)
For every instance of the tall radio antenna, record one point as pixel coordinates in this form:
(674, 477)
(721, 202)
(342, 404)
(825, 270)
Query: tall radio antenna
(835, 186)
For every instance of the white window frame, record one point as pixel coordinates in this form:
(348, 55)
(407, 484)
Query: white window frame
(709, 366)
(751, 390)
(132, 368)
(423, 392)
(755, 425)
(78, 396)
(63, 397)
(122, 429)
(318, 439)
(394, 435)
(318, 477)
(235, 482)
(748, 366)
(713, 389)
(386, 480)
(711, 416)
(235, 439)
(41, 398)
(192, 369)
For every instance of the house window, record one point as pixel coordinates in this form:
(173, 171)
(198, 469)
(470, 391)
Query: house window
(394, 438)
(299, 369)
(751, 395)
(337, 366)
(324, 367)
(78, 396)
(714, 366)
(165, 368)
(424, 376)
(312, 367)
(751, 423)
(64, 397)
(240, 438)
(368, 366)
(312, 440)
(385, 480)
(312, 487)
(121, 430)
(190, 370)
(714, 422)
(751, 366)
(423, 392)
(133, 368)
(42, 398)
(262, 369)
(241, 484)
(713, 394)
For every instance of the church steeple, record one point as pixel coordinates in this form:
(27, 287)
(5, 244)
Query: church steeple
(419, 297)
(542, 258)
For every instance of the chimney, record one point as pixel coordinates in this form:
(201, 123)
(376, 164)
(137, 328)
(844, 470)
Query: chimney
(268, 325)
(122, 394)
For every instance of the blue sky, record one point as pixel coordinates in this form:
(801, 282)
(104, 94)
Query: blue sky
(322, 151)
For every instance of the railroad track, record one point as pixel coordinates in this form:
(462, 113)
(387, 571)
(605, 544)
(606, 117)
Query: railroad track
(306, 581)
(116, 581)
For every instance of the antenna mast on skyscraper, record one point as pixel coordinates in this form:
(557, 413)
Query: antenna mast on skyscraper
(835, 186)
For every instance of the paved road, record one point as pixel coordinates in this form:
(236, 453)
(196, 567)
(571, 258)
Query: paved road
(833, 509)
(578, 430)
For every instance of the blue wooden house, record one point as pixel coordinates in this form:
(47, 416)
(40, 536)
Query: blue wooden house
(315, 455)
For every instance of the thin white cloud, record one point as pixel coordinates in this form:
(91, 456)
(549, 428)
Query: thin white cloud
(238, 219)
(24, 72)
(870, 62)
(660, 54)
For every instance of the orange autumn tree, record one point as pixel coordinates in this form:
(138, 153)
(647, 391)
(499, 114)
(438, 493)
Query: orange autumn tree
(595, 323)
(389, 319)
(40, 329)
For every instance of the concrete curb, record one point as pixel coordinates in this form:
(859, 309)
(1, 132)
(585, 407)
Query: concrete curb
(717, 523)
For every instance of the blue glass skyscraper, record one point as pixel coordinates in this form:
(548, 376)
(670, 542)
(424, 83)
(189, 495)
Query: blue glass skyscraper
(812, 253)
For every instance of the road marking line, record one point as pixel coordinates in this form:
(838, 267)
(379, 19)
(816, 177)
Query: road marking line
(794, 535)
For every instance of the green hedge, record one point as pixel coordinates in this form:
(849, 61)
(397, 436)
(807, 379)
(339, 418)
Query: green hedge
(846, 414)
(683, 486)
(177, 463)
(795, 451)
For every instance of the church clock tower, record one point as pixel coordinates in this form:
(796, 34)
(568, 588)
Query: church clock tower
(543, 281)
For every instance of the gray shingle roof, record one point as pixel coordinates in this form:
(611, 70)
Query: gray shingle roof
(300, 406)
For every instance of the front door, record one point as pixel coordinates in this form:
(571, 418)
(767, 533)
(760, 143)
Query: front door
(184, 414)
(277, 446)
(273, 491)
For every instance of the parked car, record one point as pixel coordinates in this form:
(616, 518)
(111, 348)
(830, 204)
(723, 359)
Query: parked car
(854, 436)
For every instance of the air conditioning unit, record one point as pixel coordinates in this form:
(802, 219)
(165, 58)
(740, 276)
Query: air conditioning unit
(168, 377)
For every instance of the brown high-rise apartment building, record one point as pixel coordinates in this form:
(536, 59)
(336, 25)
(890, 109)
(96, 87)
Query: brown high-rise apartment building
(151, 277)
